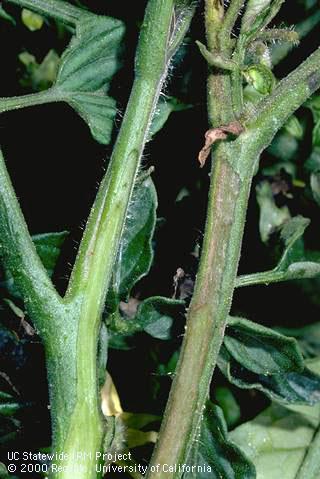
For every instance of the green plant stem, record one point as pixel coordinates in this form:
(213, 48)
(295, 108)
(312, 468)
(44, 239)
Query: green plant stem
(266, 277)
(63, 11)
(72, 353)
(17, 102)
(229, 21)
(310, 467)
(233, 168)
(93, 267)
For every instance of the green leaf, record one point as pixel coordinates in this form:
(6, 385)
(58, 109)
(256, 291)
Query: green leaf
(86, 70)
(164, 108)
(39, 76)
(286, 388)
(6, 16)
(253, 9)
(295, 262)
(213, 455)
(226, 400)
(135, 252)
(48, 246)
(155, 315)
(294, 127)
(308, 338)
(260, 349)
(8, 404)
(258, 14)
(315, 185)
(31, 20)
(284, 146)
(271, 216)
(277, 440)
(292, 262)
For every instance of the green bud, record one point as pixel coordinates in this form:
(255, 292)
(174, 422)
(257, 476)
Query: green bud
(260, 77)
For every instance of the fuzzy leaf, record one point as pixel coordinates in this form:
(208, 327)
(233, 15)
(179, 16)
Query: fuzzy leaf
(271, 216)
(86, 70)
(277, 439)
(260, 349)
(285, 388)
(135, 251)
(213, 455)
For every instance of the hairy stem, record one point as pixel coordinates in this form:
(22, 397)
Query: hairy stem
(233, 168)
(18, 102)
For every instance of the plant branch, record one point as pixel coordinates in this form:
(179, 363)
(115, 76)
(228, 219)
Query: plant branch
(19, 255)
(18, 102)
(229, 21)
(289, 94)
(233, 168)
(266, 277)
(63, 11)
(98, 249)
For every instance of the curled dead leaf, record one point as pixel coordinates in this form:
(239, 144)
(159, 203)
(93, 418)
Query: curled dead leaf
(215, 134)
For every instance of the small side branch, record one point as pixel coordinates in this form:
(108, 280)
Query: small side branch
(20, 257)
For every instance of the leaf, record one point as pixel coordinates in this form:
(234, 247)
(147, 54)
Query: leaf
(294, 127)
(293, 263)
(260, 349)
(258, 14)
(286, 388)
(8, 404)
(86, 70)
(6, 16)
(253, 9)
(39, 76)
(155, 315)
(226, 400)
(164, 108)
(48, 246)
(31, 20)
(213, 455)
(271, 216)
(135, 252)
(277, 440)
(315, 185)
(308, 338)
